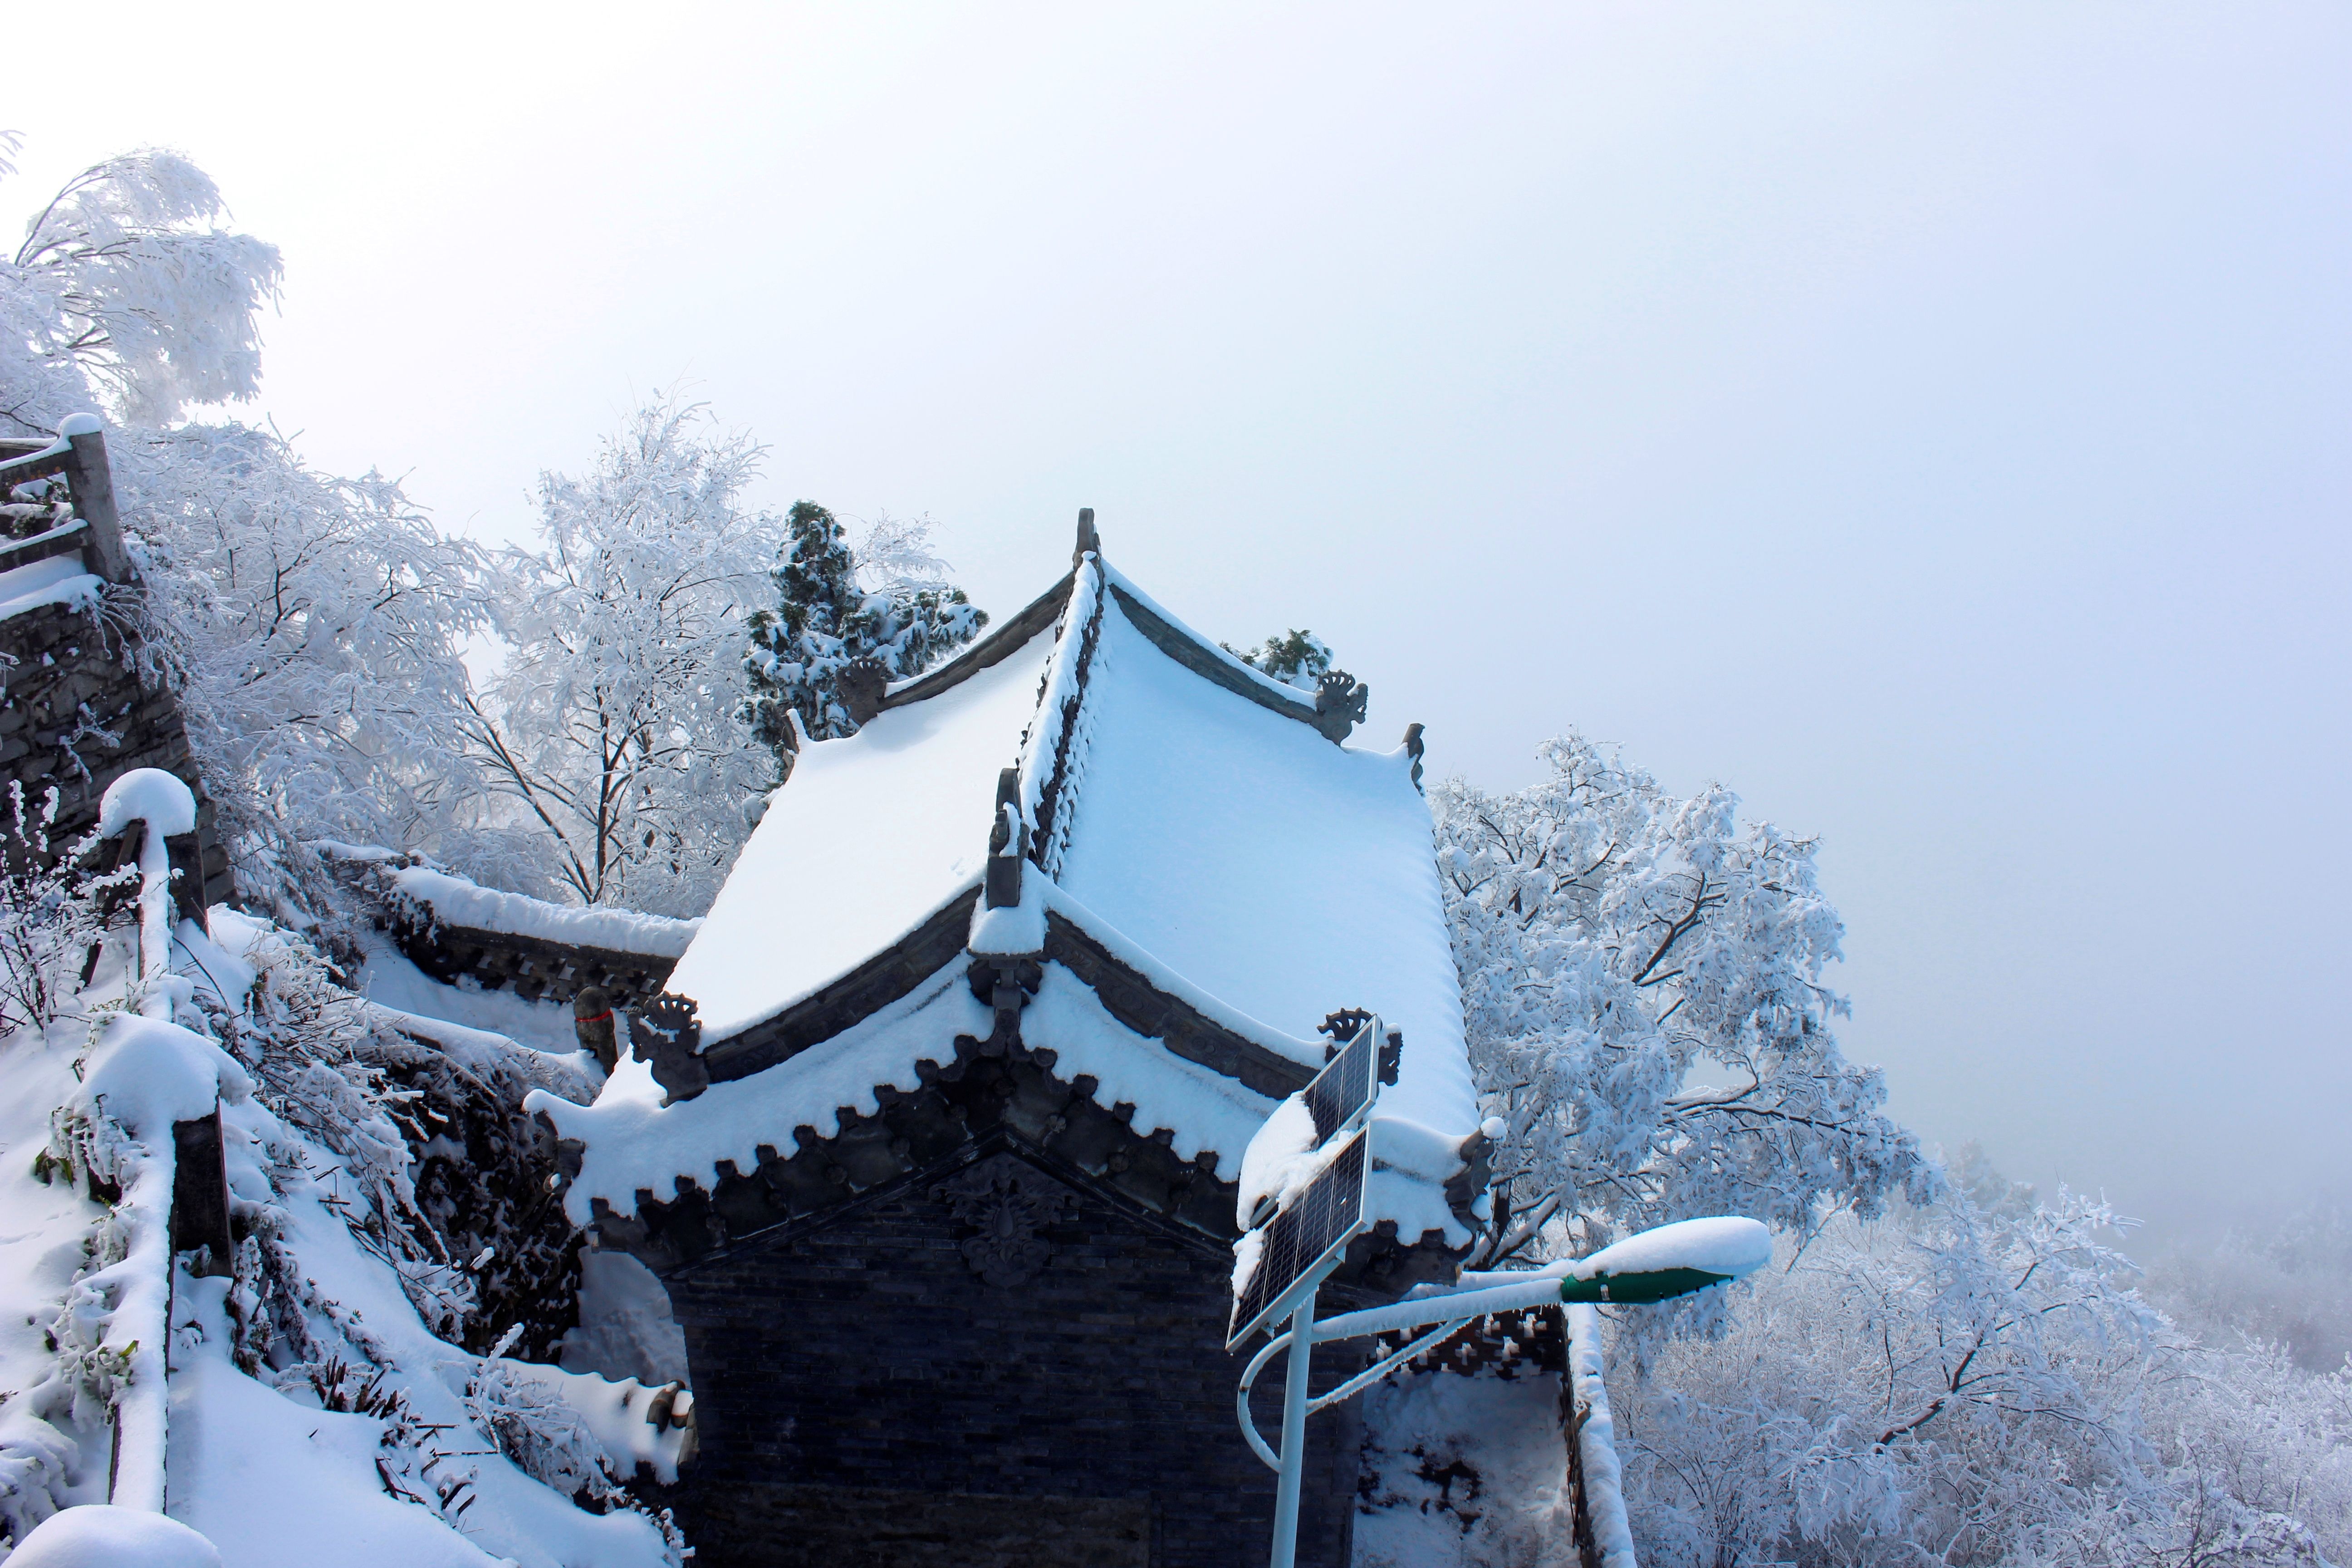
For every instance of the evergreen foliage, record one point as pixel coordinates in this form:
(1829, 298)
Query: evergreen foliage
(885, 605)
(1298, 658)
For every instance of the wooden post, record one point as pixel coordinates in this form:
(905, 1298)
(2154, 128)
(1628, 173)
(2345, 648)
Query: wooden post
(1089, 541)
(92, 484)
(200, 1210)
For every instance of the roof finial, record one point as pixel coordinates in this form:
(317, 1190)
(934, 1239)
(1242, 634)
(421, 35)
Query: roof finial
(1089, 541)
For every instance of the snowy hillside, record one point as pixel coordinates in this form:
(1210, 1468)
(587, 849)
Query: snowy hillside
(310, 1391)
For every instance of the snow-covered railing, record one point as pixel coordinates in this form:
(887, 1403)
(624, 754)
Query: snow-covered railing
(78, 456)
(143, 1133)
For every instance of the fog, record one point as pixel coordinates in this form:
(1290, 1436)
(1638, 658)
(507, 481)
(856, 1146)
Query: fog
(1929, 421)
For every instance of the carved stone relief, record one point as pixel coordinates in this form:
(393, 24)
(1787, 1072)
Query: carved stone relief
(1008, 1204)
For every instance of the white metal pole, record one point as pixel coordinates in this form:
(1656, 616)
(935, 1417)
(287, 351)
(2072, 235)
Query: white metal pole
(1294, 1433)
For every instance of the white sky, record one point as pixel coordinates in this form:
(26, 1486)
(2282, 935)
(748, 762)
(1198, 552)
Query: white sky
(1929, 419)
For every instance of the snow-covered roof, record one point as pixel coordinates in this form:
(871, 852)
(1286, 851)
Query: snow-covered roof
(869, 838)
(1286, 876)
(1190, 822)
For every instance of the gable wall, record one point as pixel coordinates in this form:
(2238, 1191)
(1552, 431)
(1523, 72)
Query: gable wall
(891, 1386)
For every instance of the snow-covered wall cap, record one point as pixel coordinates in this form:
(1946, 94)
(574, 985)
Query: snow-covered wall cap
(105, 1535)
(149, 796)
(57, 448)
(147, 1075)
(81, 425)
(59, 579)
(1596, 1440)
(454, 900)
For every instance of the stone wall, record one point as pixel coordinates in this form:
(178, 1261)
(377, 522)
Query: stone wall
(74, 713)
(534, 969)
(988, 1363)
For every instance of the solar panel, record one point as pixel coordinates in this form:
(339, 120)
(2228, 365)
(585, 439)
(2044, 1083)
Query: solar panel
(1344, 1088)
(1300, 1239)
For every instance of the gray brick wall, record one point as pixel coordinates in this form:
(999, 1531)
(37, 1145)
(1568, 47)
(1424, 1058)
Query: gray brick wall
(865, 1394)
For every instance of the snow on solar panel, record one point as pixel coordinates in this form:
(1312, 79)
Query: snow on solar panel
(1344, 1088)
(1302, 1238)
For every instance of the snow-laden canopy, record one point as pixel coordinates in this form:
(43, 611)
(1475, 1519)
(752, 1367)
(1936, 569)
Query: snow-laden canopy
(1184, 816)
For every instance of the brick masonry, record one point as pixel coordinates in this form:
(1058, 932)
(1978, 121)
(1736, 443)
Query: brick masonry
(990, 1362)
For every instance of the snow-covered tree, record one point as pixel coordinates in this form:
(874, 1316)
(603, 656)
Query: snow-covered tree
(1297, 658)
(2288, 1280)
(312, 627)
(310, 624)
(125, 279)
(884, 611)
(611, 734)
(1643, 977)
(1963, 1384)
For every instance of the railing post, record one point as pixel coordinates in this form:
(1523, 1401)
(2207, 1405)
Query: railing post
(92, 484)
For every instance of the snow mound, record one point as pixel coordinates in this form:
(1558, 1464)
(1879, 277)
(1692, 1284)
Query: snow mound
(100, 1535)
(149, 795)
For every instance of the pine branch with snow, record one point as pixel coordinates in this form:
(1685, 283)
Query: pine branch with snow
(1298, 658)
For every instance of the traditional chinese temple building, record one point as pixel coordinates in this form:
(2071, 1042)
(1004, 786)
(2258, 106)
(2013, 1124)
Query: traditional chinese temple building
(940, 1166)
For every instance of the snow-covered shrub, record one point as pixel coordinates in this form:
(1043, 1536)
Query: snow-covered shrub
(316, 1049)
(525, 1411)
(884, 608)
(52, 909)
(311, 627)
(2289, 1280)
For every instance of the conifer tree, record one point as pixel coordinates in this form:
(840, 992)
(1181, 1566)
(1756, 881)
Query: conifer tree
(883, 611)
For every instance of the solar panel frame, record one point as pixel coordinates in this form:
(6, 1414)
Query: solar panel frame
(1343, 1090)
(1300, 1240)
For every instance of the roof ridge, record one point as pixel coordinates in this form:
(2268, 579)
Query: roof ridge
(1331, 713)
(1001, 643)
(1052, 753)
